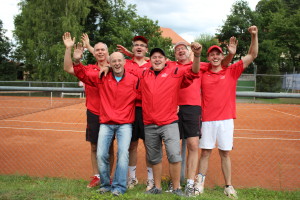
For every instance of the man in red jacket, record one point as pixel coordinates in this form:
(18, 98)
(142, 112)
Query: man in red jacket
(100, 52)
(118, 93)
(160, 86)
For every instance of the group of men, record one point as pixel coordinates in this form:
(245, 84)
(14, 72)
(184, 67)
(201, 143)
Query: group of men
(159, 100)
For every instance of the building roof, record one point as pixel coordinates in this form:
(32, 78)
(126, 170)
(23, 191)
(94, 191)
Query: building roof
(167, 32)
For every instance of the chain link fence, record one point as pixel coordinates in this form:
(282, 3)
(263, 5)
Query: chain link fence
(43, 134)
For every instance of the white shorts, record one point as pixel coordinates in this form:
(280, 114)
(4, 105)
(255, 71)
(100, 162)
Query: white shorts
(217, 131)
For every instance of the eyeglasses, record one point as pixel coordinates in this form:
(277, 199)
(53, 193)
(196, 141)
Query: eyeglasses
(139, 45)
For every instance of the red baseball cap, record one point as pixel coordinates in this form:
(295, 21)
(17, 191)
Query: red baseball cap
(214, 47)
(141, 38)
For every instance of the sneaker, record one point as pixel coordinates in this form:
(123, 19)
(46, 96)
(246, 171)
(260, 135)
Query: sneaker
(189, 190)
(116, 193)
(132, 182)
(154, 190)
(199, 184)
(178, 192)
(103, 190)
(150, 184)
(230, 192)
(170, 187)
(94, 182)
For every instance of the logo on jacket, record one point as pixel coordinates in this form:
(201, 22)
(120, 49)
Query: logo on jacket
(164, 75)
(222, 77)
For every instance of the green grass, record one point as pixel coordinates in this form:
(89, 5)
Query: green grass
(14, 187)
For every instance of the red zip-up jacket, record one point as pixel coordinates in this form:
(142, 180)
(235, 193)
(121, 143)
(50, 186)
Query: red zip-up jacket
(117, 98)
(160, 93)
(91, 93)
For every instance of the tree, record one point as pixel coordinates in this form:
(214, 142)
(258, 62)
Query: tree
(8, 70)
(114, 22)
(38, 31)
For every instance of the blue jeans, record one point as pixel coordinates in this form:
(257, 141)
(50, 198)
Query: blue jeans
(123, 135)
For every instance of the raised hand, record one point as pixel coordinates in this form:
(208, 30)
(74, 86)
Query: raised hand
(196, 48)
(78, 51)
(68, 41)
(85, 40)
(124, 51)
(253, 30)
(232, 46)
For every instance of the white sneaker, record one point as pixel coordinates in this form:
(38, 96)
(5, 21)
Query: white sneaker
(150, 184)
(132, 182)
(230, 192)
(199, 184)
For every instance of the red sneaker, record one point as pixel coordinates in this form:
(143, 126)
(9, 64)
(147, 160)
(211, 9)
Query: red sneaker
(94, 182)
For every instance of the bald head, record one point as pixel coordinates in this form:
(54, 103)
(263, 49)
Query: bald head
(117, 62)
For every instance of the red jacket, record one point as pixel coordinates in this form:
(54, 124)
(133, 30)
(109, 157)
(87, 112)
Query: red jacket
(117, 98)
(160, 93)
(91, 93)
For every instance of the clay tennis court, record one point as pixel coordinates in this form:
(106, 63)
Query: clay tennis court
(44, 137)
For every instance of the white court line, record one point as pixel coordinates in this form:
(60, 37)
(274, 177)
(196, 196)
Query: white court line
(283, 139)
(10, 120)
(283, 112)
(42, 109)
(35, 129)
(266, 130)
(249, 138)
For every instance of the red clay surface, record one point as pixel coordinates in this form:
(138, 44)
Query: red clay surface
(40, 137)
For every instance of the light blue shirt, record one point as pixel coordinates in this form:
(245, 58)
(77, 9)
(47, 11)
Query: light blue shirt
(118, 78)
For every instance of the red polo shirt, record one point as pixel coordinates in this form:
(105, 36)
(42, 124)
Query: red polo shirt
(219, 93)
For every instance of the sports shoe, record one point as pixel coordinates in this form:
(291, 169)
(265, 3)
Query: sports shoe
(132, 182)
(94, 182)
(116, 193)
(189, 190)
(103, 190)
(154, 190)
(150, 184)
(178, 192)
(199, 184)
(170, 187)
(230, 192)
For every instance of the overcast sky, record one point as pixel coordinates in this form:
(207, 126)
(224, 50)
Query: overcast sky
(189, 18)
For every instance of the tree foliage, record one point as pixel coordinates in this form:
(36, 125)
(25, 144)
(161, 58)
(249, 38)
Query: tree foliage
(206, 41)
(41, 24)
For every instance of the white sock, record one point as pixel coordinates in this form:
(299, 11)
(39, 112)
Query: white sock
(190, 182)
(98, 175)
(150, 173)
(131, 170)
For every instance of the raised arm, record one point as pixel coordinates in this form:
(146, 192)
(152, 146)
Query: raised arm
(124, 51)
(197, 49)
(69, 43)
(253, 49)
(86, 43)
(231, 47)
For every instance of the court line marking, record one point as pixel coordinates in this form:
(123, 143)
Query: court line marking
(266, 130)
(283, 139)
(282, 112)
(249, 138)
(12, 120)
(36, 129)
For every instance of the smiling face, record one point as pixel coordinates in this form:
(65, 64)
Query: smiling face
(117, 62)
(139, 48)
(100, 52)
(182, 53)
(215, 57)
(158, 61)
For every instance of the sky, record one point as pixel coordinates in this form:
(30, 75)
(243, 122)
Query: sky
(188, 18)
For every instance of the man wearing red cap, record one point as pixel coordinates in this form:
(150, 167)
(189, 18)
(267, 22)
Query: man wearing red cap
(219, 109)
(190, 109)
(137, 63)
